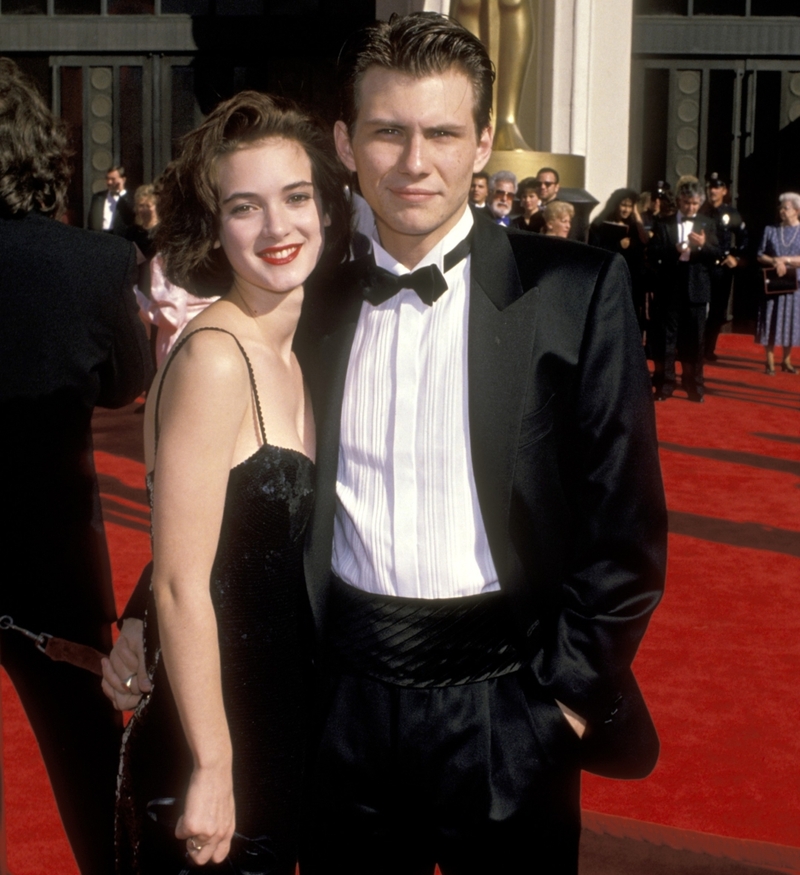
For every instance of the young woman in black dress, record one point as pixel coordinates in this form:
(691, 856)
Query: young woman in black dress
(212, 758)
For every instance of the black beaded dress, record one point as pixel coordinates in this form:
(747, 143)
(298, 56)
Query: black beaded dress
(258, 592)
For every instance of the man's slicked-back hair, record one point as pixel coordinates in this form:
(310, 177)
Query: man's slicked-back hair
(34, 155)
(188, 196)
(420, 44)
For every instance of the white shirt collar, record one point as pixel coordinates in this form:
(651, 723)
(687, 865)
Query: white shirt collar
(436, 256)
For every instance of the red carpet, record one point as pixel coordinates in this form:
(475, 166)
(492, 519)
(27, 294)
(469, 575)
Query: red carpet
(719, 665)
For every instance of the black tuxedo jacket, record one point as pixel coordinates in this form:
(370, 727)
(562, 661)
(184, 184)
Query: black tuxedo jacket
(566, 466)
(70, 339)
(692, 278)
(124, 216)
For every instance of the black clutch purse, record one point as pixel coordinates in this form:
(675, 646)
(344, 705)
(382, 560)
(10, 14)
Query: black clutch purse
(780, 285)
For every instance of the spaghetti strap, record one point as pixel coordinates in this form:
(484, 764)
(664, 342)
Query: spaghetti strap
(253, 385)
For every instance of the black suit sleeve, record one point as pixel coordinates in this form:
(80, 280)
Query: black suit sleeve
(612, 479)
(128, 369)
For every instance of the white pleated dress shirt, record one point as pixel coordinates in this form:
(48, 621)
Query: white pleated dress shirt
(110, 209)
(407, 520)
(685, 228)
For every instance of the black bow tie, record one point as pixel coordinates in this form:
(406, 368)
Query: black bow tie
(379, 284)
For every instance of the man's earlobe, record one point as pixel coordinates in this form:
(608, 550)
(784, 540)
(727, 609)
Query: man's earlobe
(344, 147)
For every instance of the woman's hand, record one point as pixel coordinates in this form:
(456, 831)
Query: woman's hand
(625, 242)
(124, 674)
(780, 266)
(209, 817)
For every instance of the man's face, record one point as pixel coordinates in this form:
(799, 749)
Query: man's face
(479, 190)
(547, 187)
(716, 195)
(415, 149)
(503, 198)
(688, 206)
(114, 182)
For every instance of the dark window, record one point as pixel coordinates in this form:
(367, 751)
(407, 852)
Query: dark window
(72, 113)
(661, 7)
(184, 105)
(774, 7)
(719, 7)
(131, 7)
(654, 126)
(24, 7)
(131, 122)
(239, 7)
(77, 7)
(720, 122)
(184, 7)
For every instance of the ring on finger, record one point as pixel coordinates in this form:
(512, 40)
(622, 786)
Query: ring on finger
(129, 680)
(194, 846)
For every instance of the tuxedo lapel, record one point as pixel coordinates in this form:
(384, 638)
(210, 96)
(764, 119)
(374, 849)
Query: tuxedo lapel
(502, 329)
(672, 230)
(332, 356)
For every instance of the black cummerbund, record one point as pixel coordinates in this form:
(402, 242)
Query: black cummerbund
(421, 642)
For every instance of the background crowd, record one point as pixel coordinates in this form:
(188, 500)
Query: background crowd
(684, 249)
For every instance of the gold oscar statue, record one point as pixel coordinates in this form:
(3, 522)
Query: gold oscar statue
(506, 28)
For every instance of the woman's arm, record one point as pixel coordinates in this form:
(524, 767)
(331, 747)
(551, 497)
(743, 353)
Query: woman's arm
(644, 235)
(767, 257)
(203, 404)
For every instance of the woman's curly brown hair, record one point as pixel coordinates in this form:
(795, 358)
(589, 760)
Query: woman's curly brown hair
(34, 156)
(188, 198)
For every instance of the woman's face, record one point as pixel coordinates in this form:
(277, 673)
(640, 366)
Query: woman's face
(559, 227)
(146, 214)
(529, 201)
(788, 213)
(270, 215)
(625, 208)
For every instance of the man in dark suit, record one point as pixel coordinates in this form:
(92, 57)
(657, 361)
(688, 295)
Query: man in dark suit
(70, 339)
(489, 536)
(733, 240)
(112, 210)
(683, 250)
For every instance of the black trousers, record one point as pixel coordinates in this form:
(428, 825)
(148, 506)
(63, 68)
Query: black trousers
(478, 778)
(721, 284)
(79, 736)
(681, 330)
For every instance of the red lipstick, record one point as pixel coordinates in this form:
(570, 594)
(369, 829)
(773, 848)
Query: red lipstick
(280, 254)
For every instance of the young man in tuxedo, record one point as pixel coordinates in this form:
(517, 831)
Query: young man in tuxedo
(489, 536)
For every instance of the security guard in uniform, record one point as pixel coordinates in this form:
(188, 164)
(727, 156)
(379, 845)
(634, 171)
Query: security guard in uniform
(732, 236)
